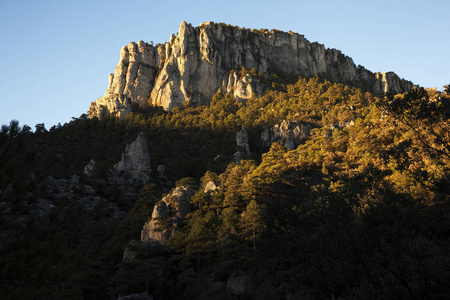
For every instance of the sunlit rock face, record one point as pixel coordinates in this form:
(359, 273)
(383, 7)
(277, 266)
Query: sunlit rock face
(168, 214)
(116, 105)
(201, 60)
(210, 187)
(290, 133)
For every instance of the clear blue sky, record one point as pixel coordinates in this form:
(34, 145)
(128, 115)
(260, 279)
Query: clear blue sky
(55, 56)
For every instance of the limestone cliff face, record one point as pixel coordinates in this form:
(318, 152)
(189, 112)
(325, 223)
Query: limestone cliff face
(201, 60)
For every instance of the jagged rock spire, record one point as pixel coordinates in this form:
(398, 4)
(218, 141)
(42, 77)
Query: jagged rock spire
(135, 160)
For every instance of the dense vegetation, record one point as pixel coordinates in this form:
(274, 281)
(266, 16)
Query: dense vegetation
(360, 210)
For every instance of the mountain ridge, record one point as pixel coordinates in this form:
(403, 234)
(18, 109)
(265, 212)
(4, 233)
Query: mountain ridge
(199, 61)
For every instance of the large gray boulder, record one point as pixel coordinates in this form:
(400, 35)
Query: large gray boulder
(168, 214)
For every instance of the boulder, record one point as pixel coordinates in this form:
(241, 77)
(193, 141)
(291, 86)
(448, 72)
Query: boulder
(89, 168)
(211, 186)
(168, 214)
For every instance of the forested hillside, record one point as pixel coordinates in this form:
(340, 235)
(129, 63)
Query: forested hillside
(356, 208)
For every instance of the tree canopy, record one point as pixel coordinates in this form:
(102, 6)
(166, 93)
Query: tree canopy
(358, 210)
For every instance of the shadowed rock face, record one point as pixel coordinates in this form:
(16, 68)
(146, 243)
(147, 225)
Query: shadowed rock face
(201, 60)
(242, 140)
(167, 215)
(135, 162)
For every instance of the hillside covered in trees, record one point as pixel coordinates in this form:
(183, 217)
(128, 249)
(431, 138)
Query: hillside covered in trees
(356, 208)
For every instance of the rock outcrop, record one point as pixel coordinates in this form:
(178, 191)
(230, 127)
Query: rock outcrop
(89, 168)
(92, 199)
(168, 214)
(210, 187)
(117, 105)
(201, 60)
(290, 133)
(242, 140)
(242, 145)
(135, 162)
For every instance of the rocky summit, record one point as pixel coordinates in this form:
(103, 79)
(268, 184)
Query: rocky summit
(199, 61)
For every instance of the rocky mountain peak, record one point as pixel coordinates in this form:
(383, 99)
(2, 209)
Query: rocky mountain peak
(199, 61)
